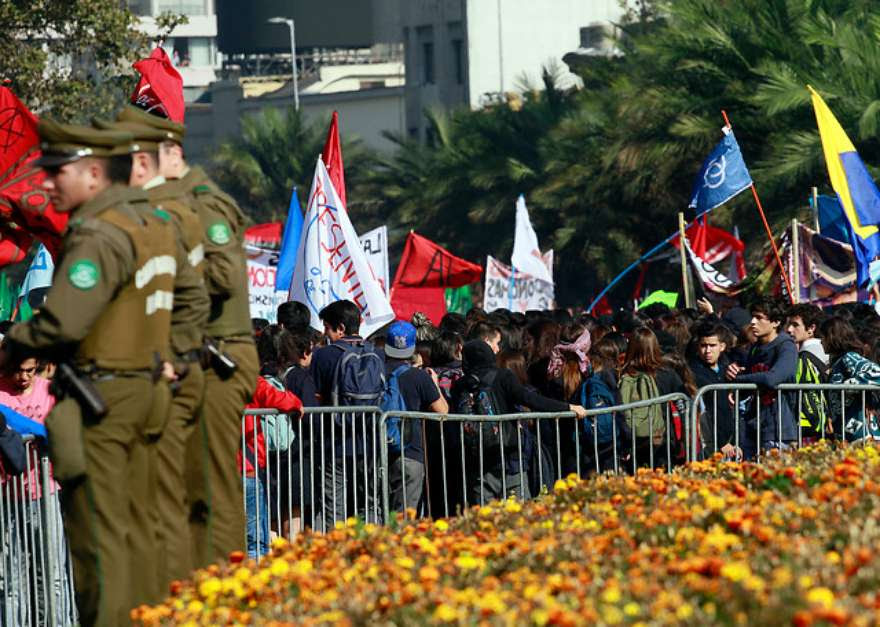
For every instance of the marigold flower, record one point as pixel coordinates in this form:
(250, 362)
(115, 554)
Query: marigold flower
(821, 596)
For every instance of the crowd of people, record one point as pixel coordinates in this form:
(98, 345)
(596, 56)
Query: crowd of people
(485, 364)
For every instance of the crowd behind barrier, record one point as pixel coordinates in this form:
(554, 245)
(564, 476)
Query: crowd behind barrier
(469, 463)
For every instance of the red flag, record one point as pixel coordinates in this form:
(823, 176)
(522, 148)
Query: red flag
(160, 90)
(25, 210)
(431, 301)
(332, 157)
(425, 264)
(714, 245)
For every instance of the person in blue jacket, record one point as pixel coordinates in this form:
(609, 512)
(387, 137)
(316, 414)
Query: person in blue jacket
(771, 360)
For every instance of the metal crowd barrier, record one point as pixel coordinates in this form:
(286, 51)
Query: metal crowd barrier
(317, 470)
(455, 465)
(734, 409)
(36, 576)
(333, 463)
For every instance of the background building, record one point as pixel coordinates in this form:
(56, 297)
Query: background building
(193, 46)
(472, 52)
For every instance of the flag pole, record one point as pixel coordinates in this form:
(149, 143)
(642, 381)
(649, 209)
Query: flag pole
(683, 256)
(814, 193)
(766, 226)
(795, 261)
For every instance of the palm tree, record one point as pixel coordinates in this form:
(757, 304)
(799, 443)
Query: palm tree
(277, 151)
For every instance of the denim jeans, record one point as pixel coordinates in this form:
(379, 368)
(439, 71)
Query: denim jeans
(257, 511)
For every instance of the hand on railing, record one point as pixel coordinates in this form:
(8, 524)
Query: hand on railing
(579, 411)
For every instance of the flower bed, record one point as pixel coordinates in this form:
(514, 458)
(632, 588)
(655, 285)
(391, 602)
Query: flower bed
(796, 539)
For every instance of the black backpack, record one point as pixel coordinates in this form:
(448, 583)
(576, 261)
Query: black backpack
(477, 398)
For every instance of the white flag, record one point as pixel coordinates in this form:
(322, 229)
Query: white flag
(39, 274)
(330, 262)
(375, 244)
(711, 278)
(527, 257)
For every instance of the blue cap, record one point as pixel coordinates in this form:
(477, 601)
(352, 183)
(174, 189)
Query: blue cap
(400, 342)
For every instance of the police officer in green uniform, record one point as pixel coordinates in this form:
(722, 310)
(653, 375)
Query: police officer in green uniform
(108, 313)
(217, 509)
(187, 335)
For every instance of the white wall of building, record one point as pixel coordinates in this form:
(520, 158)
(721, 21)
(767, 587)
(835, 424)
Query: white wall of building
(532, 33)
(365, 114)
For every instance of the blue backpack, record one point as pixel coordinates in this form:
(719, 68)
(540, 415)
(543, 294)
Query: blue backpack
(392, 401)
(359, 380)
(596, 394)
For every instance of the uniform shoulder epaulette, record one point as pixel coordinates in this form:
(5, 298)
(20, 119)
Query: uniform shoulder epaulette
(203, 188)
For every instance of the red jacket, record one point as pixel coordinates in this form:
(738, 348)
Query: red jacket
(266, 396)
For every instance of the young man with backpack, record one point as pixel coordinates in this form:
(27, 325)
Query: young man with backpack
(486, 390)
(347, 372)
(407, 388)
(771, 360)
(804, 321)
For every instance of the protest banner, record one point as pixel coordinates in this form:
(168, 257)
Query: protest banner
(375, 244)
(330, 261)
(262, 265)
(514, 291)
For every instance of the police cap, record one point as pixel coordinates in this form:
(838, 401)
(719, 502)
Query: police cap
(66, 143)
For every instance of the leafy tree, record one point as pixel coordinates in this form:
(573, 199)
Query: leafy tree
(69, 59)
(277, 151)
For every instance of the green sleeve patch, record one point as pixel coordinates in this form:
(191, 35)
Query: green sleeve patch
(219, 234)
(83, 274)
(162, 214)
(202, 189)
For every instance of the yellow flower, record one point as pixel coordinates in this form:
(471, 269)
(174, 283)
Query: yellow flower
(469, 562)
(681, 495)
(512, 507)
(210, 587)
(821, 596)
(279, 567)
(405, 562)
(684, 612)
(631, 609)
(833, 557)
(735, 571)
(492, 603)
(611, 594)
(195, 607)
(243, 574)
(805, 581)
(426, 545)
(302, 567)
(441, 525)
(612, 614)
(445, 613)
(540, 617)
(560, 486)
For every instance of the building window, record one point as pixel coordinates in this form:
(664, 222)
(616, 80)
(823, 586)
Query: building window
(428, 63)
(458, 60)
(140, 7)
(186, 51)
(593, 36)
(186, 7)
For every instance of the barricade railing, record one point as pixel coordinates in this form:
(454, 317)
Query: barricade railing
(36, 574)
(309, 471)
(450, 462)
(730, 414)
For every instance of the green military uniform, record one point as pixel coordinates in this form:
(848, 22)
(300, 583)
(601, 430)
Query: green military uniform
(187, 333)
(108, 311)
(218, 520)
(215, 493)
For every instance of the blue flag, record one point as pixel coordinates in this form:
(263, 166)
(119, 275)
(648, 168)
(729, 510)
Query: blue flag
(724, 175)
(289, 245)
(832, 219)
